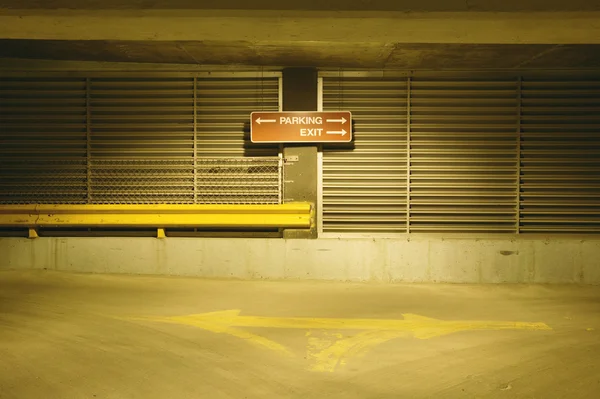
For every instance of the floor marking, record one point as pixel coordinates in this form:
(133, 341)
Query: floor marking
(220, 328)
(329, 350)
(336, 354)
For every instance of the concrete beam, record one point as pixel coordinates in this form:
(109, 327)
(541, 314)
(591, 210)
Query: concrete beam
(298, 26)
(315, 5)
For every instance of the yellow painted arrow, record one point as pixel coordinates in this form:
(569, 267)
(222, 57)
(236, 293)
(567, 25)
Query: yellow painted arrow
(420, 326)
(374, 331)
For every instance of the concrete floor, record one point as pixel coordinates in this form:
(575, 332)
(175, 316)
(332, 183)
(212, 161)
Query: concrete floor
(99, 336)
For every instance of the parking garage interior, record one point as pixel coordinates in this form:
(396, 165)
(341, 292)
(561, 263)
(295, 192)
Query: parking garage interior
(151, 247)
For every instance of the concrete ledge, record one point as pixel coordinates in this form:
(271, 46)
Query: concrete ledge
(426, 259)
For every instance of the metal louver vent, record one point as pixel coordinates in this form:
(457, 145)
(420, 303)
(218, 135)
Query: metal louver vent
(142, 118)
(142, 140)
(364, 189)
(488, 152)
(560, 156)
(223, 110)
(463, 155)
(43, 140)
(133, 140)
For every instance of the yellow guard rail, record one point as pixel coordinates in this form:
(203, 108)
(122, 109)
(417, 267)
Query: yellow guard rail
(294, 215)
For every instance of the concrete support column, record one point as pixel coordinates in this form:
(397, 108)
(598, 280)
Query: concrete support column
(300, 167)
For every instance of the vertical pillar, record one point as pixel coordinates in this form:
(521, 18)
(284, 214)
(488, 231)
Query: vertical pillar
(408, 133)
(300, 161)
(88, 141)
(195, 150)
(518, 182)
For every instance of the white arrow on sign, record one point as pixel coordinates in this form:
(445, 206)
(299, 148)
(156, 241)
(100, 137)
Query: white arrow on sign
(342, 121)
(259, 121)
(342, 132)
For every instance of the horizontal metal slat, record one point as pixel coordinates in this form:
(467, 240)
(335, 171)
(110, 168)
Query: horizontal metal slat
(463, 151)
(418, 187)
(560, 229)
(464, 228)
(480, 161)
(560, 146)
(469, 219)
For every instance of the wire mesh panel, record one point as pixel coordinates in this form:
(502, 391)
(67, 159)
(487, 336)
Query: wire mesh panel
(364, 187)
(42, 140)
(560, 156)
(463, 154)
(223, 111)
(219, 181)
(239, 181)
(142, 181)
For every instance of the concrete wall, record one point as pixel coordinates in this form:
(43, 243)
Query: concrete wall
(418, 259)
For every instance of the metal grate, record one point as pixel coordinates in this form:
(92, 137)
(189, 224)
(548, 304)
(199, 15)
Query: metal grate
(136, 140)
(142, 181)
(463, 154)
(239, 181)
(488, 152)
(364, 188)
(560, 140)
(42, 140)
(44, 181)
(142, 118)
(223, 111)
(219, 181)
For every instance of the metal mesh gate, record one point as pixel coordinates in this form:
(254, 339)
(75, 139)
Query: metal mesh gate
(218, 181)
(235, 181)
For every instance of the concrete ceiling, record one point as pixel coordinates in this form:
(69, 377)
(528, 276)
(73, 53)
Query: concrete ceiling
(316, 54)
(311, 5)
(379, 34)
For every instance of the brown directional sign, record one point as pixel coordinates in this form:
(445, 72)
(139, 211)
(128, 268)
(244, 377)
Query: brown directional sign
(301, 127)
